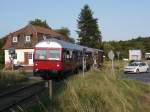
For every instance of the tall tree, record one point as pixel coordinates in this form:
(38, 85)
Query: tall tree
(39, 22)
(88, 30)
(65, 32)
(2, 60)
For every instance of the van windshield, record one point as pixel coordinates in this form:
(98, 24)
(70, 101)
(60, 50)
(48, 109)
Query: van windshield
(40, 54)
(54, 54)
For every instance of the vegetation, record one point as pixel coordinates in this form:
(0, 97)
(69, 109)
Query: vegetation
(124, 46)
(39, 22)
(97, 91)
(9, 78)
(2, 42)
(88, 30)
(13, 75)
(65, 32)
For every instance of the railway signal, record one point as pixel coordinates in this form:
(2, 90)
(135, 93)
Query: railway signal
(12, 56)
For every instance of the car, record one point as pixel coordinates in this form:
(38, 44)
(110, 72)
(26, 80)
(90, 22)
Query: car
(136, 67)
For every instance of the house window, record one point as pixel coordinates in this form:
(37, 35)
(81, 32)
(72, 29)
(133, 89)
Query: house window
(28, 38)
(30, 56)
(15, 39)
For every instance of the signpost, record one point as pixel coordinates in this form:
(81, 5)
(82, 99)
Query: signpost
(111, 57)
(118, 54)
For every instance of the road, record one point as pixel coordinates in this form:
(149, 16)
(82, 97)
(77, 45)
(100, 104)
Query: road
(145, 77)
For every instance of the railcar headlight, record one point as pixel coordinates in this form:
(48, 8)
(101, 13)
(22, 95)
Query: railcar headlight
(36, 69)
(57, 65)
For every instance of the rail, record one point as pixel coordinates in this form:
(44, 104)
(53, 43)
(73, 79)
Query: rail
(13, 98)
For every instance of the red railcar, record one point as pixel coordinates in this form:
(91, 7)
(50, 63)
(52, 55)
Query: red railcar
(53, 58)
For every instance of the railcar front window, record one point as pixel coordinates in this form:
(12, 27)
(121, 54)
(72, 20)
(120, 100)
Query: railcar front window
(54, 54)
(40, 54)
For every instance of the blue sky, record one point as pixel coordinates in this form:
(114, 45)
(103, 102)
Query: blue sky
(118, 19)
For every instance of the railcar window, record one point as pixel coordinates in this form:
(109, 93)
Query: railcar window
(54, 54)
(40, 54)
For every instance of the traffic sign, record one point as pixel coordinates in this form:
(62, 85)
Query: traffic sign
(111, 55)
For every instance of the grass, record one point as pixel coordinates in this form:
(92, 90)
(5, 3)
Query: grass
(97, 91)
(13, 76)
(9, 78)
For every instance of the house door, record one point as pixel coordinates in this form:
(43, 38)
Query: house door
(26, 61)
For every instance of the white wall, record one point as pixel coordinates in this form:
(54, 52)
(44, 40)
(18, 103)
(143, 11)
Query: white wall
(20, 55)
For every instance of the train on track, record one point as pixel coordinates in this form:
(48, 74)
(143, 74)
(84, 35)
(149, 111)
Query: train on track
(54, 58)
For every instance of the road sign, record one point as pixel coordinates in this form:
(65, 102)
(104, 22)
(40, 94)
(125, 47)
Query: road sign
(111, 55)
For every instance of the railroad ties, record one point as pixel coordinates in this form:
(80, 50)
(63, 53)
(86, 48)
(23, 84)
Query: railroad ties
(14, 99)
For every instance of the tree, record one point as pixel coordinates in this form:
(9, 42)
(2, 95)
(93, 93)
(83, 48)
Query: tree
(39, 22)
(65, 32)
(2, 59)
(88, 30)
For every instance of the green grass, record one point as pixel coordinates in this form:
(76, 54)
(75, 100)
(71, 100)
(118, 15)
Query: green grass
(9, 78)
(98, 91)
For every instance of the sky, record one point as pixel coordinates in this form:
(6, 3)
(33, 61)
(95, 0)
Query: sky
(117, 19)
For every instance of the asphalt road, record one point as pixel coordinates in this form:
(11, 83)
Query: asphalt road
(145, 77)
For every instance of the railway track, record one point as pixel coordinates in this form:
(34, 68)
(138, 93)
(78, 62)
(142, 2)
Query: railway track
(14, 98)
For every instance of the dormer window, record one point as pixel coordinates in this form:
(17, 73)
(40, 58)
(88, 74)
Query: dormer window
(15, 39)
(28, 38)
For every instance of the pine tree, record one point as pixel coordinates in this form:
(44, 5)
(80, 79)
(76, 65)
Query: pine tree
(88, 33)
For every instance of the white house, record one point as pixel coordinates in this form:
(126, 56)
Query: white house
(24, 40)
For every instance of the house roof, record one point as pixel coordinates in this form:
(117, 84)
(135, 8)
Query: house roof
(28, 30)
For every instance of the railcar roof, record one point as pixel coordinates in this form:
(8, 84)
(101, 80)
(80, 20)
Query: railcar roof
(55, 43)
